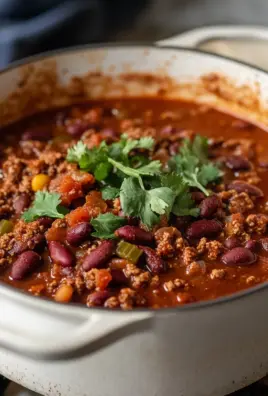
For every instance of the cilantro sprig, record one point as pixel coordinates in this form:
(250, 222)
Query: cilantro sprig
(45, 204)
(193, 164)
(110, 192)
(98, 159)
(106, 224)
(144, 187)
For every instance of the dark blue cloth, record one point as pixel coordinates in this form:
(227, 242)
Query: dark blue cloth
(31, 26)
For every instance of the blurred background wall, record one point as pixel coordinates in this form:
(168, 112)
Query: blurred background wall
(31, 26)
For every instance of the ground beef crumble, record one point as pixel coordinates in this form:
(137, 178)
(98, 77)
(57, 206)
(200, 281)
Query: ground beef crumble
(257, 223)
(218, 274)
(240, 203)
(189, 254)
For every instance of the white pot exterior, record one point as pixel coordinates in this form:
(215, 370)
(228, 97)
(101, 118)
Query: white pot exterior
(207, 349)
(204, 351)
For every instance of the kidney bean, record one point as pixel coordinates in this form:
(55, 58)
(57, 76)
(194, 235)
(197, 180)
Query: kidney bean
(134, 234)
(252, 245)
(78, 234)
(60, 254)
(232, 242)
(182, 222)
(118, 277)
(108, 134)
(98, 298)
(264, 244)
(236, 163)
(25, 263)
(38, 241)
(77, 128)
(133, 221)
(35, 243)
(198, 196)
(45, 221)
(204, 228)
(18, 248)
(241, 186)
(155, 264)
(98, 257)
(209, 206)
(37, 133)
(239, 256)
(21, 202)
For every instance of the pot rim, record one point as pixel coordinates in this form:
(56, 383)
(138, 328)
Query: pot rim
(133, 44)
(17, 294)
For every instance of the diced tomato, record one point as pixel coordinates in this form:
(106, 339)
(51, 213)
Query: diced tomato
(78, 215)
(84, 178)
(69, 189)
(56, 234)
(94, 140)
(95, 204)
(103, 278)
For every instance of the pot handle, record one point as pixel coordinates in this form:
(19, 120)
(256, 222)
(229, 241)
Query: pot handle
(193, 38)
(49, 331)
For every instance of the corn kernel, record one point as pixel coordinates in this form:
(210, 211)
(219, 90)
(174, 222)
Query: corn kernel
(40, 181)
(64, 293)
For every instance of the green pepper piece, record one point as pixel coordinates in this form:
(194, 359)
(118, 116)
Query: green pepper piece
(5, 226)
(128, 251)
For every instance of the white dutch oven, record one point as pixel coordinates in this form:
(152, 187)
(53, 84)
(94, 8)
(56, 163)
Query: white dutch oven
(211, 348)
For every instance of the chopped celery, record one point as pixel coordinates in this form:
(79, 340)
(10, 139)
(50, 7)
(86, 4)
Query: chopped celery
(128, 251)
(5, 226)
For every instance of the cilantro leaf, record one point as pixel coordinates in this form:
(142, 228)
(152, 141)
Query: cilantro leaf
(134, 200)
(146, 143)
(76, 152)
(208, 173)
(200, 148)
(110, 192)
(161, 200)
(130, 145)
(119, 151)
(102, 171)
(139, 160)
(147, 170)
(183, 204)
(45, 204)
(193, 165)
(106, 224)
(147, 204)
(173, 181)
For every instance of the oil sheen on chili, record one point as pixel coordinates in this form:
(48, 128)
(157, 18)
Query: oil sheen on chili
(133, 203)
